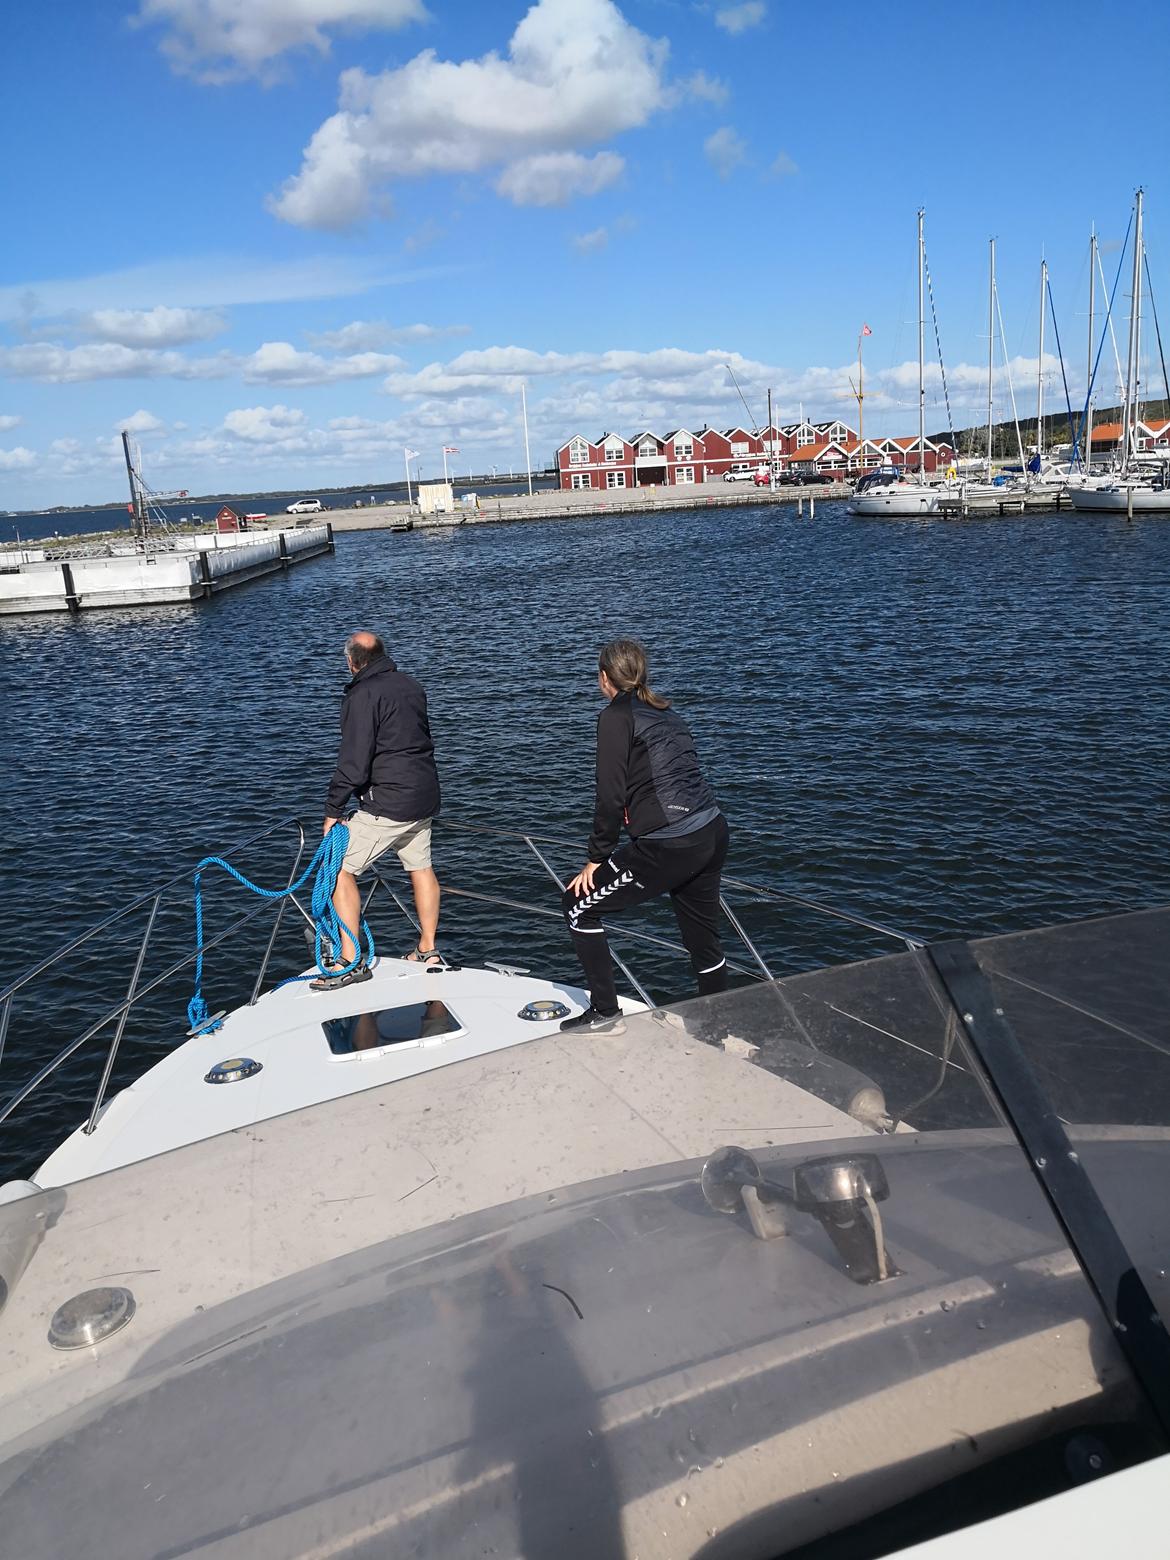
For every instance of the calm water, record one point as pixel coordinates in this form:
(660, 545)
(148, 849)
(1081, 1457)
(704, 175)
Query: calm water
(956, 727)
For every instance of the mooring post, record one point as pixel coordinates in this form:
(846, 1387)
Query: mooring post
(329, 533)
(812, 506)
(283, 550)
(800, 508)
(204, 573)
(72, 601)
(1129, 503)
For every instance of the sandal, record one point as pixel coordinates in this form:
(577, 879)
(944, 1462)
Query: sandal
(431, 957)
(335, 982)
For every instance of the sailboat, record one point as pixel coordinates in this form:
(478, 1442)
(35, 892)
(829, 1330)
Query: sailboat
(1132, 491)
(889, 491)
(991, 486)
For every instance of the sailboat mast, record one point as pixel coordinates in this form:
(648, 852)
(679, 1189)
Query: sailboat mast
(990, 349)
(1139, 252)
(1127, 407)
(1040, 363)
(921, 351)
(1087, 452)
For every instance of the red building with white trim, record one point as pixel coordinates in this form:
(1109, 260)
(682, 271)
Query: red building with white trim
(682, 458)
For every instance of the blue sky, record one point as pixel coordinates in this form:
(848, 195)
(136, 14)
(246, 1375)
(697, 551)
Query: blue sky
(281, 249)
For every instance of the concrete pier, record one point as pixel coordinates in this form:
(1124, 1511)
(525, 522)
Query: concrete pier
(579, 504)
(185, 568)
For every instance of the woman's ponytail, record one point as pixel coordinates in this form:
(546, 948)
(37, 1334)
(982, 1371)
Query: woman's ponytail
(624, 662)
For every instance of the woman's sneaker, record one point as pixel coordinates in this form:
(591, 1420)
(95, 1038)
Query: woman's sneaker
(594, 1023)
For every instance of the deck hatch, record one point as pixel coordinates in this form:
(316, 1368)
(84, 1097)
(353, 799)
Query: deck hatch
(418, 1023)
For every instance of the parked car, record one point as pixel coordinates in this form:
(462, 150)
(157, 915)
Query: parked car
(740, 474)
(306, 506)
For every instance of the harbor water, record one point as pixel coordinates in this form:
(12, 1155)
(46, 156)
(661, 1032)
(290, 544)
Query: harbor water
(952, 727)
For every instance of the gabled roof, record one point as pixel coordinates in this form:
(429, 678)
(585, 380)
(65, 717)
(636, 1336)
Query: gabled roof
(814, 451)
(605, 438)
(1107, 433)
(1157, 427)
(911, 443)
(572, 439)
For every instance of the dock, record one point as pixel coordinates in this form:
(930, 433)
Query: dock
(581, 504)
(177, 569)
(959, 506)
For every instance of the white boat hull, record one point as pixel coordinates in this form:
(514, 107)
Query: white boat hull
(1120, 500)
(908, 500)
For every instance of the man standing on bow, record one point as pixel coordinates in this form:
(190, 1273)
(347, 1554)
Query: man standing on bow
(387, 760)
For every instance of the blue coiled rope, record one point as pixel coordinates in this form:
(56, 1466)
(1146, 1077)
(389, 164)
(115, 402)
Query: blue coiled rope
(327, 924)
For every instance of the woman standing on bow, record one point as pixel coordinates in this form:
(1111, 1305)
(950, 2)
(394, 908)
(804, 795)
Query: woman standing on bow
(648, 778)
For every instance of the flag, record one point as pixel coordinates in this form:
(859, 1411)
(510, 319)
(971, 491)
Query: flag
(450, 449)
(865, 331)
(411, 454)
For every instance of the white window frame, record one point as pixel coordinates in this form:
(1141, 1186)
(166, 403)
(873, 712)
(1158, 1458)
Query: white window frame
(684, 476)
(615, 479)
(578, 453)
(615, 452)
(648, 449)
(684, 452)
(581, 479)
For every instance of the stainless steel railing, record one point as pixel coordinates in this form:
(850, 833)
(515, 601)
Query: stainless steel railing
(119, 1013)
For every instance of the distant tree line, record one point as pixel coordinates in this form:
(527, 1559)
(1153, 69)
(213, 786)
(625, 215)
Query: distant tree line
(1057, 430)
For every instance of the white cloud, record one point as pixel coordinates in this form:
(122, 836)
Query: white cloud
(279, 362)
(9, 421)
(782, 166)
(141, 422)
(426, 234)
(265, 424)
(52, 363)
(157, 327)
(555, 178)
(371, 335)
(211, 280)
(223, 40)
(738, 18)
(708, 89)
(576, 72)
(273, 362)
(725, 150)
(590, 243)
(18, 459)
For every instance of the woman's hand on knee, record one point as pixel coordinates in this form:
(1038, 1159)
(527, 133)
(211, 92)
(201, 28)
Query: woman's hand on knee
(583, 882)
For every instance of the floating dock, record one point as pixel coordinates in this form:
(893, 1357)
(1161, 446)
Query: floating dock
(184, 568)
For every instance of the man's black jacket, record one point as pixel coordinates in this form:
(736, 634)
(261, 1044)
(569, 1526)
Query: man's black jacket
(387, 758)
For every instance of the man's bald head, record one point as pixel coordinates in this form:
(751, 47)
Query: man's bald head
(362, 648)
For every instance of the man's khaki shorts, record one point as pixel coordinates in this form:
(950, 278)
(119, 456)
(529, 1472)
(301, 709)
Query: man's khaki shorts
(371, 837)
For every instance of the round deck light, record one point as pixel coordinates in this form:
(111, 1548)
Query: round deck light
(90, 1317)
(233, 1070)
(543, 1011)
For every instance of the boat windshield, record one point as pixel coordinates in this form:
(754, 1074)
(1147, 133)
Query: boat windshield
(874, 1249)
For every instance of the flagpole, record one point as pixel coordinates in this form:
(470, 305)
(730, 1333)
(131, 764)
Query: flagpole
(527, 456)
(445, 477)
(406, 462)
(860, 396)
